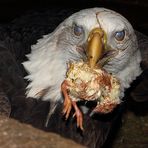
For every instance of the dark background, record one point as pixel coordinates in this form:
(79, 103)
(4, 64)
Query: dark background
(136, 11)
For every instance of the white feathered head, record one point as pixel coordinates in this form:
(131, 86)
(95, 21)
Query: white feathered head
(47, 63)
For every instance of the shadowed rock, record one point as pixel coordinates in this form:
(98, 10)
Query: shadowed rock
(16, 135)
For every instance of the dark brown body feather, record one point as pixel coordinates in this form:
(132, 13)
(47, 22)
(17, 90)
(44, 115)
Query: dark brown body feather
(140, 91)
(15, 41)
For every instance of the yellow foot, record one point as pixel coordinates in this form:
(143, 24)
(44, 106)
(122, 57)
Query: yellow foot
(78, 115)
(67, 100)
(67, 107)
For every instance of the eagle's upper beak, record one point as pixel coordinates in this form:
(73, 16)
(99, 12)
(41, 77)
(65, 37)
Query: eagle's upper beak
(95, 46)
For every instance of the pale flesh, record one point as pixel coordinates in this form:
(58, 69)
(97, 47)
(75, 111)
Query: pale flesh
(83, 83)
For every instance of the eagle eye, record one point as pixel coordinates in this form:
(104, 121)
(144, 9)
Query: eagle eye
(78, 30)
(119, 36)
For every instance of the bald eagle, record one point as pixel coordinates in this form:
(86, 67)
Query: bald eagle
(46, 67)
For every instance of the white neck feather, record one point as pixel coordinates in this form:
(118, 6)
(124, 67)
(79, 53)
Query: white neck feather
(42, 65)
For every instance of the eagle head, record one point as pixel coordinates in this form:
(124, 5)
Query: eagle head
(97, 35)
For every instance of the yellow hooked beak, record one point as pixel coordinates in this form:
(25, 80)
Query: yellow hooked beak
(95, 46)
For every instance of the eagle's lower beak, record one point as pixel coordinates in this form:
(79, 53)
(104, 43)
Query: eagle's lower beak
(95, 46)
